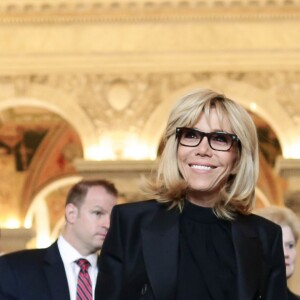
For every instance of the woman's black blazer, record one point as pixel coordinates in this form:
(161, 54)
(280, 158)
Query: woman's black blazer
(139, 258)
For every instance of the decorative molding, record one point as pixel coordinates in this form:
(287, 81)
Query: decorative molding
(287, 167)
(126, 175)
(92, 167)
(65, 11)
(146, 92)
(124, 62)
(34, 5)
(93, 92)
(288, 89)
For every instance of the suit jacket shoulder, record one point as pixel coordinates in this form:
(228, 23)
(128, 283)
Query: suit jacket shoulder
(35, 274)
(266, 229)
(140, 206)
(23, 258)
(258, 244)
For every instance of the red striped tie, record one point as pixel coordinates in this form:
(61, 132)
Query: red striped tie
(84, 284)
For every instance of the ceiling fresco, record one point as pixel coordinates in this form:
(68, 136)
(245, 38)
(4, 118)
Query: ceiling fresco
(36, 148)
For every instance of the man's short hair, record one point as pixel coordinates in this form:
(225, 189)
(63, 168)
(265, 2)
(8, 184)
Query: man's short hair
(78, 192)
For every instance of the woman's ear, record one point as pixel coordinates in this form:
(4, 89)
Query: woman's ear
(71, 213)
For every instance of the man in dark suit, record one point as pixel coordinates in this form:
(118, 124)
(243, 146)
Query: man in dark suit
(52, 273)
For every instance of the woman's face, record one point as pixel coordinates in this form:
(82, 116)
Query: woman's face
(289, 249)
(206, 170)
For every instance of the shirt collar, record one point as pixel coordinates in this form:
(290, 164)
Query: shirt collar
(69, 254)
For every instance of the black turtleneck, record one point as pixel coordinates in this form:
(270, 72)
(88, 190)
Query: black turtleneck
(207, 266)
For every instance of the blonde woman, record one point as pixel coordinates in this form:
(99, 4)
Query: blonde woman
(197, 238)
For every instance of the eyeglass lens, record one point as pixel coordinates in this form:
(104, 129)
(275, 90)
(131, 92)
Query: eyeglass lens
(190, 137)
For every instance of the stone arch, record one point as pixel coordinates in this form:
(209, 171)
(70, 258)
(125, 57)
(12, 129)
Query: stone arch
(39, 212)
(57, 102)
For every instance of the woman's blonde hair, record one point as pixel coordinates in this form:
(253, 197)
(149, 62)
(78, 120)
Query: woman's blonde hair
(239, 193)
(281, 216)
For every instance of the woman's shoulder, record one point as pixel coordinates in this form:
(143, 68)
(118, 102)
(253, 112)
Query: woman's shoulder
(256, 226)
(259, 220)
(292, 296)
(140, 212)
(261, 224)
(139, 206)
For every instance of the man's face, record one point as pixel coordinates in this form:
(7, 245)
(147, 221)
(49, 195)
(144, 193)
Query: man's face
(90, 222)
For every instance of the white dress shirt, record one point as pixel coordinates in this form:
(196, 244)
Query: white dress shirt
(69, 255)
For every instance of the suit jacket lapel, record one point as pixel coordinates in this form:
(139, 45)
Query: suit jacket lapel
(55, 273)
(249, 258)
(160, 248)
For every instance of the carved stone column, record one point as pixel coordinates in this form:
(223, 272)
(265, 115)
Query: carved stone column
(15, 239)
(290, 170)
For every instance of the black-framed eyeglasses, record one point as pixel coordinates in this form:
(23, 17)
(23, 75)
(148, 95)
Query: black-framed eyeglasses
(219, 141)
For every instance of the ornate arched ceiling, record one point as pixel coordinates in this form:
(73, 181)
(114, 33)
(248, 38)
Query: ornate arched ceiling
(103, 64)
(113, 69)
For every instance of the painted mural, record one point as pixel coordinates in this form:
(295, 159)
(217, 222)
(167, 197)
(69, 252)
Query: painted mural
(36, 147)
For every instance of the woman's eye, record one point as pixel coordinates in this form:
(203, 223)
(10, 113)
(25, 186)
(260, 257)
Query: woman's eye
(220, 138)
(190, 134)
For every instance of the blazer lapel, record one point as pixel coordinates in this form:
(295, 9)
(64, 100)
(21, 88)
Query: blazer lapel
(249, 258)
(55, 273)
(160, 248)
